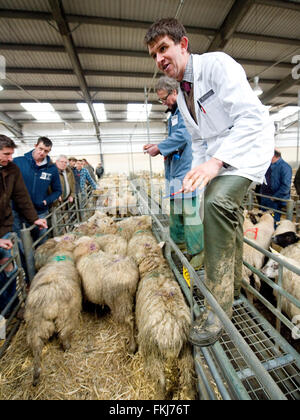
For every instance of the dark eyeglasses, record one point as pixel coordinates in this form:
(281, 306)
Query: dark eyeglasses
(163, 100)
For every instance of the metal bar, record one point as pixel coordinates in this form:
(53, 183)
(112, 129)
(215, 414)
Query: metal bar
(262, 375)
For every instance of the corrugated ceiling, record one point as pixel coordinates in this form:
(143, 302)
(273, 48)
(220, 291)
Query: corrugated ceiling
(113, 47)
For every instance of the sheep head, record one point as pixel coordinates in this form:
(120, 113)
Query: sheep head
(86, 247)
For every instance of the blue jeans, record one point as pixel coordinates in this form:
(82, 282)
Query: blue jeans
(35, 233)
(7, 295)
(275, 205)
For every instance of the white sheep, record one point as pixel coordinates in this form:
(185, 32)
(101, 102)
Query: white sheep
(112, 244)
(43, 252)
(140, 245)
(163, 321)
(109, 280)
(53, 304)
(290, 283)
(127, 227)
(285, 235)
(262, 236)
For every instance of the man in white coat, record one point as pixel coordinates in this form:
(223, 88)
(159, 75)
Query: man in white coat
(232, 142)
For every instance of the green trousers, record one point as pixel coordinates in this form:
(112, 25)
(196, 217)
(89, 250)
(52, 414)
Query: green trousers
(223, 237)
(185, 224)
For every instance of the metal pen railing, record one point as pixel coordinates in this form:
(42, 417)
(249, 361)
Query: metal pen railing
(14, 288)
(261, 373)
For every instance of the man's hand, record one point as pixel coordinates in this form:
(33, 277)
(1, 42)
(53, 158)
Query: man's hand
(70, 199)
(201, 175)
(152, 149)
(45, 203)
(41, 223)
(6, 244)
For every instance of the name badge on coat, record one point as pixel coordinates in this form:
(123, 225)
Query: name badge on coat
(174, 120)
(46, 176)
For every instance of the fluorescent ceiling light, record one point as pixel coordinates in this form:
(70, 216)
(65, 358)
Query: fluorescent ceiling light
(42, 112)
(138, 112)
(99, 109)
(66, 129)
(257, 89)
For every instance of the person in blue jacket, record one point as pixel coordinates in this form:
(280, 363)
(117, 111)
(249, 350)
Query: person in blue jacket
(39, 173)
(278, 184)
(186, 227)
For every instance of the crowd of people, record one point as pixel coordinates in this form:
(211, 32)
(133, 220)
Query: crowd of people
(220, 140)
(30, 186)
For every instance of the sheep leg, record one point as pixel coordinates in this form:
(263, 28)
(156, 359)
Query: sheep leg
(37, 348)
(257, 282)
(132, 346)
(156, 370)
(65, 337)
(187, 384)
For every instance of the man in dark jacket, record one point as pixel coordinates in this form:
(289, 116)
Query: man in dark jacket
(99, 171)
(12, 187)
(39, 173)
(297, 181)
(279, 178)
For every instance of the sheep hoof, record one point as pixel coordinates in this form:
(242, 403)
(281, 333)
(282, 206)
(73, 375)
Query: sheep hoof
(36, 377)
(66, 346)
(132, 348)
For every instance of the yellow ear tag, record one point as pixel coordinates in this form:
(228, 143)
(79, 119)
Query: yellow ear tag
(186, 276)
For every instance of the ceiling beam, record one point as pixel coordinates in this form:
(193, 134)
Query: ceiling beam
(49, 71)
(74, 101)
(11, 125)
(265, 38)
(279, 89)
(96, 88)
(236, 14)
(292, 5)
(107, 73)
(118, 53)
(74, 88)
(64, 30)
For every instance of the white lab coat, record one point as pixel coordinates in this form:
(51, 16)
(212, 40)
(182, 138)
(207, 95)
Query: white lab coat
(233, 125)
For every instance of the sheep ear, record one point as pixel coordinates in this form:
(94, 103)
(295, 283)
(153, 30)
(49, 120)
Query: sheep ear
(274, 251)
(161, 244)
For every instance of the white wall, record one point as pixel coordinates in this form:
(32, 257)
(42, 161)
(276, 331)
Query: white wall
(122, 143)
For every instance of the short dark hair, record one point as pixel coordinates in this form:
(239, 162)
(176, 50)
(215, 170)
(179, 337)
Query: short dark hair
(167, 26)
(72, 158)
(47, 142)
(6, 142)
(277, 153)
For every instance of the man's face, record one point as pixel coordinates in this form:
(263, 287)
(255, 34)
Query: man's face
(6, 156)
(40, 152)
(166, 98)
(72, 163)
(62, 163)
(78, 165)
(169, 57)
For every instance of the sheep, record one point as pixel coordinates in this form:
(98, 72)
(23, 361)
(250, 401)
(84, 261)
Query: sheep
(112, 244)
(285, 234)
(127, 227)
(163, 321)
(43, 252)
(140, 244)
(263, 233)
(109, 280)
(290, 283)
(53, 304)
